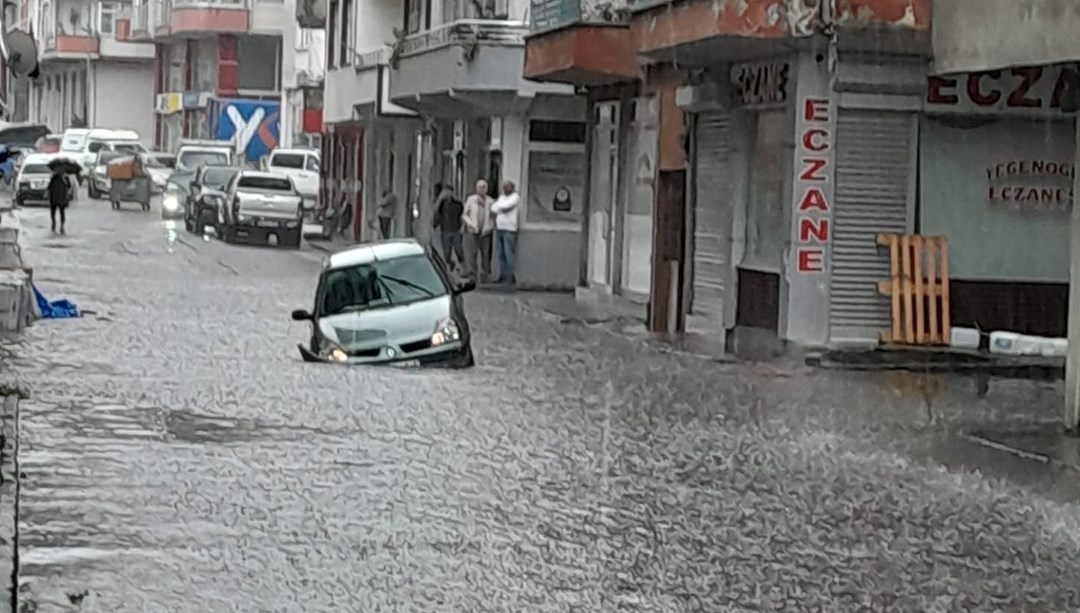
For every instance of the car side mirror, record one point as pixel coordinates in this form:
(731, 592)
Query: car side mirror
(465, 286)
(301, 315)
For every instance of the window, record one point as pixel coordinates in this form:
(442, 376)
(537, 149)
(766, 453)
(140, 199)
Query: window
(313, 163)
(331, 39)
(273, 184)
(258, 62)
(287, 160)
(107, 14)
(193, 159)
(36, 169)
(345, 54)
(455, 10)
(766, 227)
(94, 147)
(415, 15)
(557, 131)
(217, 178)
(130, 147)
(380, 284)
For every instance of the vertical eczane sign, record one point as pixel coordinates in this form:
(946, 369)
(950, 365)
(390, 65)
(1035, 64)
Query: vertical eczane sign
(813, 193)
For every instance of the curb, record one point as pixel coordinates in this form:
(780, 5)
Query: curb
(9, 503)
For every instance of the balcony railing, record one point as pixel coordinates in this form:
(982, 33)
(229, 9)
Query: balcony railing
(467, 31)
(371, 59)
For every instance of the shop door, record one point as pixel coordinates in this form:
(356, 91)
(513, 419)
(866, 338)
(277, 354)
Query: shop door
(637, 219)
(604, 196)
(713, 183)
(875, 172)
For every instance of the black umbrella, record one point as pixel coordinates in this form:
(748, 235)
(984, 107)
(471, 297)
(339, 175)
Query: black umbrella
(68, 166)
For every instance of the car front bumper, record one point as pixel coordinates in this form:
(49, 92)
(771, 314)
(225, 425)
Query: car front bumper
(32, 195)
(395, 356)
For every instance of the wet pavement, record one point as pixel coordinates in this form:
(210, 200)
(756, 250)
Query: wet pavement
(178, 456)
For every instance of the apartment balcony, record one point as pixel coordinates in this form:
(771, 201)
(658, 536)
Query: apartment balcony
(580, 42)
(60, 47)
(469, 67)
(361, 90)
(155, 20)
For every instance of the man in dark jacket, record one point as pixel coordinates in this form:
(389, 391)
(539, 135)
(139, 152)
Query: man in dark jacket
(447, 221)
(59, 197)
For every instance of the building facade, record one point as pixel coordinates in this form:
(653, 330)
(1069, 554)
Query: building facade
(427, 93)
(93, 73)
(778, 139)
(222, 70)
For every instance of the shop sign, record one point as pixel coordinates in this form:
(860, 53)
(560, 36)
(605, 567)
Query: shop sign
(552, 14)
(760, 83)
(813, 206)
(1013, 91)
(1030, 185)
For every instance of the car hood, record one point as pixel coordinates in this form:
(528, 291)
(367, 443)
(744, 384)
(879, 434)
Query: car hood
(393, 326)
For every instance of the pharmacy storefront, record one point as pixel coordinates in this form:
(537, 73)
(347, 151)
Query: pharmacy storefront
(996, 167)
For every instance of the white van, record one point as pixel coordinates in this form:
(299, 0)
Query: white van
(82, 145)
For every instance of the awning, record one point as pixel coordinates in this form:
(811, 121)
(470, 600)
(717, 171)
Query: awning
(976, 35)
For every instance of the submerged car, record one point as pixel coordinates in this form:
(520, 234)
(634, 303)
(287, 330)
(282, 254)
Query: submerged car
(388, 302)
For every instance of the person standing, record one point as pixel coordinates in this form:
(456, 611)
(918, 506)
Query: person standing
(447, 220)
(59, 197)
(386, 211)
(506, 229)
(479, 225)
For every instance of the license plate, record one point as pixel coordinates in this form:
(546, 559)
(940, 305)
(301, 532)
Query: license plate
(406, 364)
(268, 224)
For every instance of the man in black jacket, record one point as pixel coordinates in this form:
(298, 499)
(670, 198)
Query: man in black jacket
(447, 220)
(59, 197)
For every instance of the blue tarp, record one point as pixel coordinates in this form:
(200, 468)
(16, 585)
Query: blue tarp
(57, 309)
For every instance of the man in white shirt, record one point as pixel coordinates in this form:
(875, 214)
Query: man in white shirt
(479, 225)
(506, 227)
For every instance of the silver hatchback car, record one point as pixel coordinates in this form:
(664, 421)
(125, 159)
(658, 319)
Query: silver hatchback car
(388, 302)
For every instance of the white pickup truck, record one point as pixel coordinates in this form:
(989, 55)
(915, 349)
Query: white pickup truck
(262, 208)
(195, 153)
(300, 165)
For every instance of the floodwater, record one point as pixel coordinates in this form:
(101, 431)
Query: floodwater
(178, 456)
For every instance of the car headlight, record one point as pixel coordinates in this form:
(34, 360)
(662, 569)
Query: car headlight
(170, 201)
(334, 353)
(446, 332)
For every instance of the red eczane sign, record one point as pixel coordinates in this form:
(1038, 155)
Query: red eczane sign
(814, 211)
(1031, 87)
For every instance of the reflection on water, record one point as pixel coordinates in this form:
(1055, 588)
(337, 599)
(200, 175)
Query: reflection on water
(170, 234)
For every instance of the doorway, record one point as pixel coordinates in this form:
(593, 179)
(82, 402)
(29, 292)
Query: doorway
(604, 196)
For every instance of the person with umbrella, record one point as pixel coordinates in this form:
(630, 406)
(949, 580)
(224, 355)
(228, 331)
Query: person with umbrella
(59, 190)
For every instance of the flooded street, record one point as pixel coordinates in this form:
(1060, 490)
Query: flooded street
(178, 456)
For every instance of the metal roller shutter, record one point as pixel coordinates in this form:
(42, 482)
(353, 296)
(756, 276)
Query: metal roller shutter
(874, 166)
(714, 172)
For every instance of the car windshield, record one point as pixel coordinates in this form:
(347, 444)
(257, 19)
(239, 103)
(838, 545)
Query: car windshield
(287, 160)
(153, 162)
(275, 184)
(217, 178)
(194, 159)
(36, 169)
(381, 284)
(129, 147)
(107, 156)
(168, 161)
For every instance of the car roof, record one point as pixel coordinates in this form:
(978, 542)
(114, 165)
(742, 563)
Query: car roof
(374, 251)
(296, 151)
(39, 158)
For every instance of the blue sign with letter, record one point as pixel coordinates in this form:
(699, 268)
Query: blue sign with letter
(252, 125)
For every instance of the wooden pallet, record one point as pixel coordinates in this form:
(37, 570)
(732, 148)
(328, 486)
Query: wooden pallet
(918, 286)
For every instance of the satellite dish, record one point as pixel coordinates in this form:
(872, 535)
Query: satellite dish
(20, 53)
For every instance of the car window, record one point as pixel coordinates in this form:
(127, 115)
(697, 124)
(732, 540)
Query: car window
(74, 143)
(313, 163)
(153, 162)
(95, 146)
(194, 159)
(277, 184)
(385, 283)
(36, 169)
(287, 160)
(135, 147)
(217, 178)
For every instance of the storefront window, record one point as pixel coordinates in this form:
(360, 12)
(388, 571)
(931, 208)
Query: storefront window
(766, 227)
(556, 186)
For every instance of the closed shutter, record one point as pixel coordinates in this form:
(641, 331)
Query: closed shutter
(714, 173)
(874, 165)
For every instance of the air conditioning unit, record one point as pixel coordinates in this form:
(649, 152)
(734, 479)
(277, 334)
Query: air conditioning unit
(161, 104)
(708, 96)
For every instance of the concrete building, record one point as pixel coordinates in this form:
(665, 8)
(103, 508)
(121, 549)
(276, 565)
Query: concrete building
(744, 156)
(92, 72)
(421, 93)
(220, 69)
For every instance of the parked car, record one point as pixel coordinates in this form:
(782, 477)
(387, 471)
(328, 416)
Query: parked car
(388, 302)
(194, 153)
(262, 208)
(158, 170)
(300, 165)
(33, 180)
(205, 196)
